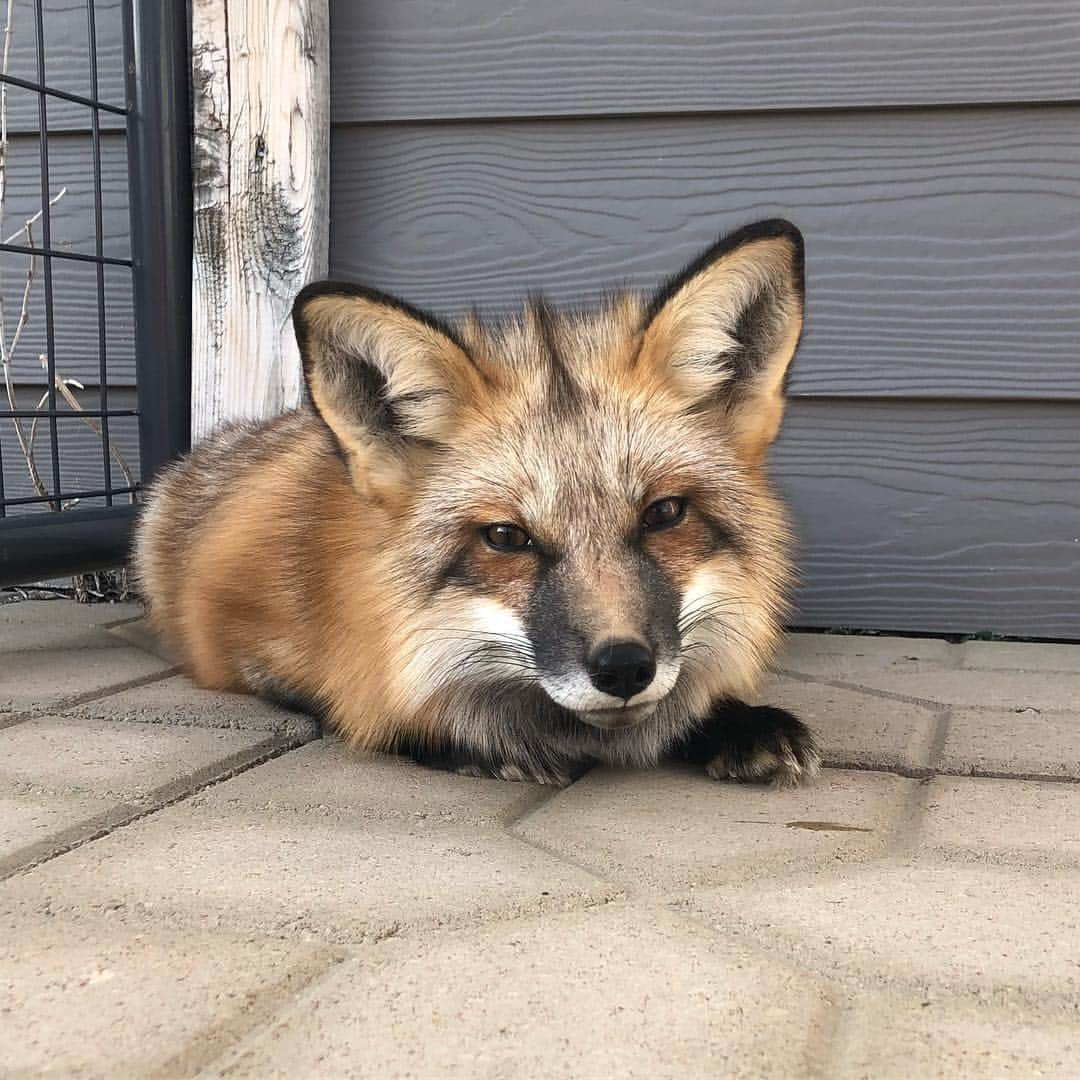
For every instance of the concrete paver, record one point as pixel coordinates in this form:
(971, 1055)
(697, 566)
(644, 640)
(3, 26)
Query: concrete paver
(993, 689)
(31, 825)
(108, 759)
(102, 1000)
(987, 689)
(333, 880)
(930, 670)
(63, 779)
(60, 624)
(1027, 823)
(1022, 742)
(1019, 656)
(858, 728)
(614, 991)
(40, 679)
(671, 827)
(137, 632)
(982, 930)
(850, 657)
(177, 700)
(331, 913)
(327, 779)
(937, 1038)
(251, 865)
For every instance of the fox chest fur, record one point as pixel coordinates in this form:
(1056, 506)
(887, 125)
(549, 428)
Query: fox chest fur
(511, 549)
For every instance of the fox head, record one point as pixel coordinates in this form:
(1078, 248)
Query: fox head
(574, 505)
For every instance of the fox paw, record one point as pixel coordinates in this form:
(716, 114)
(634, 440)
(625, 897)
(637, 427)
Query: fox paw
(765, 746)
(531, 768)
(754, 744)
(508, 771)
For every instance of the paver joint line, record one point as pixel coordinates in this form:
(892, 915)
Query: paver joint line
(122, 622)
(10, 719)
(869, 691)
(109, 691)
(535, 800)
(200, 1059)
(904, 838)
(929, 773)
(989, 774)
(910, 772)
(942, 724)
(623, 890)
(260, 755)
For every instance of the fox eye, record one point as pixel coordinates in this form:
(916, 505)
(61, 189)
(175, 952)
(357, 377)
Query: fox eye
(505, 537)
(664, 512)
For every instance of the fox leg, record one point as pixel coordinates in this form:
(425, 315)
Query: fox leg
(752, 743)
(532, 767)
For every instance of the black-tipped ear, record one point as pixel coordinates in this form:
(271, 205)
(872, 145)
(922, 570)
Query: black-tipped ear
(376, 368)
(725, 328)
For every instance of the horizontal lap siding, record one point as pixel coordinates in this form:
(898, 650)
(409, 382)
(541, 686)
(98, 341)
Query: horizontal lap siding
(67, 62)
(412, 59)
(942, 246)
(932, 448)
(935, 516)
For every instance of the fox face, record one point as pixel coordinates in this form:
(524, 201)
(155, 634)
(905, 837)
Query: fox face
(575, 515)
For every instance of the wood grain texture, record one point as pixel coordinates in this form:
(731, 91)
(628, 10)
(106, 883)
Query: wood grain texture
(67, 62)
(413, 59)
(936, 516)
(74, 283)
(942, 246)
(260, 164)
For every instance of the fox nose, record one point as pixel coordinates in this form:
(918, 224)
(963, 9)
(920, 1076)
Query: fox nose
(622, 668)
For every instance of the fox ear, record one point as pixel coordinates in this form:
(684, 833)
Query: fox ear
(724, 330)
(382, 375)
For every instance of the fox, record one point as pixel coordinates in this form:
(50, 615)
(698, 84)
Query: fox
(512, 548)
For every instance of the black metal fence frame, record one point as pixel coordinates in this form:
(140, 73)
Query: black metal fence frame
(157, 110)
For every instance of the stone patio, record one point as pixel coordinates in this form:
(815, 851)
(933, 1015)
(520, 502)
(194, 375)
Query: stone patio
(199, 885)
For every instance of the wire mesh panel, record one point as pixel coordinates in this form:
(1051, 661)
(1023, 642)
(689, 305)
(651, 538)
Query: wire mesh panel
(94, 273)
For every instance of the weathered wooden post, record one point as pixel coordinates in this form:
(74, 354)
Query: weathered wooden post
(260, 78)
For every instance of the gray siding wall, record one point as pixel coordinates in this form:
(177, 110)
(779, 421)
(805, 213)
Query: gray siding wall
(930, 152)
(931, 155)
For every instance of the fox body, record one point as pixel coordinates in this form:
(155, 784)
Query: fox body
(510, 550)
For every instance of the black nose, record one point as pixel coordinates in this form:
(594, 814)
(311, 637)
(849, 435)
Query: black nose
(622, 668)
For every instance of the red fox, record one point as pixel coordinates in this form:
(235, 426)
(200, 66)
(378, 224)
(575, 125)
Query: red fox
(510, 550)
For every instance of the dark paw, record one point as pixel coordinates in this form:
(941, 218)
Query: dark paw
(759, 745)
(509, 771)
(529, 769)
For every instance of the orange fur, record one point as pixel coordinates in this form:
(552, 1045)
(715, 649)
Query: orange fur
(334, 553)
